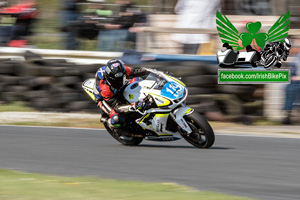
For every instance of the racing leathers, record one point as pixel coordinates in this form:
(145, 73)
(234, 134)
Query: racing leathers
(107, 97)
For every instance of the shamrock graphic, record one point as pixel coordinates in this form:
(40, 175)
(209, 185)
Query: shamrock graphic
(253, 28)
(229, 34)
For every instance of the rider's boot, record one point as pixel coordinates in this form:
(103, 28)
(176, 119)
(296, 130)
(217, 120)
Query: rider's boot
(115, 121)
(117, 129)
(103, 118)
(112, 124)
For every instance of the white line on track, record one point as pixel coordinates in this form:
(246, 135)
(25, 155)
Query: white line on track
(283, 136)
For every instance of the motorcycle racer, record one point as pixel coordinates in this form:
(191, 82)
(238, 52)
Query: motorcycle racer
(281, 50)
(109, 82)
(163, 115)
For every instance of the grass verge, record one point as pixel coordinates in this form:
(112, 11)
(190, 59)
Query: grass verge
(15, 107)
(73, 123)
(19, 185)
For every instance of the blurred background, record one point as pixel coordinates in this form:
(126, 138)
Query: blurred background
(48, 48)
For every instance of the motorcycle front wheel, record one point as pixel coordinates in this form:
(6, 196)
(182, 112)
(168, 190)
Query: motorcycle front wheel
(125, 140)
(270, 60)
(202, 135)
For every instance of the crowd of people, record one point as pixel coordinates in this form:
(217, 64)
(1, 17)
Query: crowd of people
(112, 27)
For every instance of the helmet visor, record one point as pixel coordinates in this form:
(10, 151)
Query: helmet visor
(117, 83)
(119, 75)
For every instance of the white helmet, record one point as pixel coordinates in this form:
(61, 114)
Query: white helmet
(287, 44)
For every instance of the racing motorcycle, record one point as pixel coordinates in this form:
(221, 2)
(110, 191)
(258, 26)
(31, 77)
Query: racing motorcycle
(163, 116)
(270, 57)
(274, 52)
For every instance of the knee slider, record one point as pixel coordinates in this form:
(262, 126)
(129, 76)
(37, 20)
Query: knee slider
(116, 119)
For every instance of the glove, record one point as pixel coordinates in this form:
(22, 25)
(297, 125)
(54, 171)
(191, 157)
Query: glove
(140, 105)
(143, 105)
(98, 98)
(169, 73)
(132, 107)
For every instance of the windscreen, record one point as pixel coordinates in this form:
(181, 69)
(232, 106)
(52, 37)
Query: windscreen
(160, 81)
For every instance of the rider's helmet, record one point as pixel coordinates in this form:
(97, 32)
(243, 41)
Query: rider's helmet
(115, 73)
(287, 44)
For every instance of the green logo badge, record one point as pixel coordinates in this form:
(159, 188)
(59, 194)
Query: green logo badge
(229, 34)
(131, 96)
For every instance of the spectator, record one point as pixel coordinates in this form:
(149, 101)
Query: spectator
(70, 15)
(140, 21)
(16, 23)
(292, 91)
(194, 14)
(91, 21)
(97, 10)
(115, 34)
(5, 28)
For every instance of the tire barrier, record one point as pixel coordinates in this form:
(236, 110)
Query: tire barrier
(55, 85)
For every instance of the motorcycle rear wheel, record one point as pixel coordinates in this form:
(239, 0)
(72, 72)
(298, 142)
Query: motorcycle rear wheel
(202, 136)
(129, 141)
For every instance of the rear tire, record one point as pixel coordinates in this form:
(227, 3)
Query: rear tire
(202, 136)
(130, 141)
(253, 64)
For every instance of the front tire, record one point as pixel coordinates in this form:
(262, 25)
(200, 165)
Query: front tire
(278, 65)
(202, 136)
(270, 60)
(129, 141)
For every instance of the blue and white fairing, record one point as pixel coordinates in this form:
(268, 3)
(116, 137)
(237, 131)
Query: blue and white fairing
(172, 90)
(166, 91)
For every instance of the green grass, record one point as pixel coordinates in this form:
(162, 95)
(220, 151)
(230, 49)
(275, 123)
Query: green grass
(19, 185)
(266, 122)
(74, 123)
(15, 107)
(46, 42)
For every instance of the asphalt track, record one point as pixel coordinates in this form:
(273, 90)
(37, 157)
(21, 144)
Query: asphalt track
(259, 167)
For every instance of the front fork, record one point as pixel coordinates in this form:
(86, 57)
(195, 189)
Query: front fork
(177, 116)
